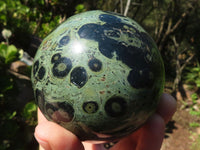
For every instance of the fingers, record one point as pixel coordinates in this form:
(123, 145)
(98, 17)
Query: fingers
(54, 137)
(166, 107)
(148, 137)
(152, 134)
(41, 117)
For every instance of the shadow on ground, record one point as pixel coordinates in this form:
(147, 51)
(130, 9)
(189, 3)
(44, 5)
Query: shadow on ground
(170, 127)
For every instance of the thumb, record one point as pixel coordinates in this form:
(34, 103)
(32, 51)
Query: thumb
(54, 137)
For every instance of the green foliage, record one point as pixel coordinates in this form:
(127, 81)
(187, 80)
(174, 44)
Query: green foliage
(80, 8)
(29, 16)
(194, 108)
(163, 19)
(46, 28)
(192, 76)
(194, 97)
(15, 121)
(8, 53)
(194, 113)
(12, 9)
(194, 124)
(29, 113)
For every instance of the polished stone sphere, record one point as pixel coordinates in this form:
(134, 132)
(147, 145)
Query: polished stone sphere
(99, 75)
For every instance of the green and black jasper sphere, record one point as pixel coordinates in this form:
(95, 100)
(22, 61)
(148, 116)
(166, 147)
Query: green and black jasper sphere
(99, 75)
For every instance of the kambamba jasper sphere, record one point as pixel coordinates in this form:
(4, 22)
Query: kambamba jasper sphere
(99, 75)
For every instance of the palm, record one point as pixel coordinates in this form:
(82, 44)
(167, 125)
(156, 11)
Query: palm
(149, 136)
(53, 137)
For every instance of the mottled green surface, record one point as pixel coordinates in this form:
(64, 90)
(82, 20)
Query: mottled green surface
(98, 75)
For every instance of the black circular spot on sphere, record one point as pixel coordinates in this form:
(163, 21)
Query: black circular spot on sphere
(62, 67)
(132, 56)
(41, 73)
(51, 106)
(140, 78)
(67, 111)
(110, 19)
(95, 64)
(55, 57)
(79, 76)
(50, 109)
(116, 107)
(146, 39)
(35, 67)
(39, 97)
(90, 107)
(64, 41)
(59, 111)
(90, 31)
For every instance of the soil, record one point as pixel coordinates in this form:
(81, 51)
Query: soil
(179, 133)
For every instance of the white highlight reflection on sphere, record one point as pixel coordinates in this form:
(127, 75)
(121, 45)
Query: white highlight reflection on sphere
(77, 47)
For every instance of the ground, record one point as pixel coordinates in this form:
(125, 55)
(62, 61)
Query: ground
(180, 134)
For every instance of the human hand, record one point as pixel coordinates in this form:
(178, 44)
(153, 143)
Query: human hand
(51, 136)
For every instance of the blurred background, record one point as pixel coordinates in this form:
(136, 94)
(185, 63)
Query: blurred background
(173, 24)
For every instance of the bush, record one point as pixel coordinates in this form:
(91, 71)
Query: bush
(17, 118)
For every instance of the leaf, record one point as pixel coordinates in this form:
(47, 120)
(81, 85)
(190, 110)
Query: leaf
(12, 54)
(194, 124)
(8, 53)
(196, 69)
(3, 48)
(198, 82)
(194, 113)
(11, 115)
(194, 97)
(29, 110)
(80, 8)
(2, 6)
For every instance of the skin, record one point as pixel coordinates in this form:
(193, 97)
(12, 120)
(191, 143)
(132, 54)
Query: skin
(150, 136)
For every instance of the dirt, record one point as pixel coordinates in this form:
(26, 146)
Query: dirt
(177, 134)
(180, 135)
